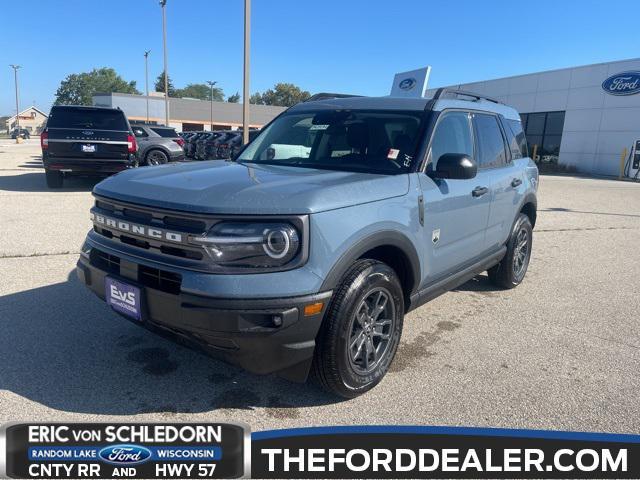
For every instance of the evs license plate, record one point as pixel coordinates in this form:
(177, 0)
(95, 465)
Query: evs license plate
(88, 148)
(123, 298)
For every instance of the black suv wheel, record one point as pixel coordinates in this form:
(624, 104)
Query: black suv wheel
(359, 338)
(510, 272)
(54, 179)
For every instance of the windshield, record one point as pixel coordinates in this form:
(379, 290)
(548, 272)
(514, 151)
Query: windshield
(352, 140)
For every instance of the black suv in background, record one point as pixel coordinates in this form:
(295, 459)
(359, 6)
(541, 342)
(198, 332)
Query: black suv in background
(86, 141)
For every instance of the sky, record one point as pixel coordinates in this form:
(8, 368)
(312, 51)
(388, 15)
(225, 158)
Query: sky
(349, 46)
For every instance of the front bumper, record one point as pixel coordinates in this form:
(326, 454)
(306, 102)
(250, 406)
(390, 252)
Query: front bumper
(261, 335)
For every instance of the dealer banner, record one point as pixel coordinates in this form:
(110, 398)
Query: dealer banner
(442, 452)
(224, 450)
(124, 450)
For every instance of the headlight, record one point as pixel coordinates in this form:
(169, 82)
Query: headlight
(251, 245)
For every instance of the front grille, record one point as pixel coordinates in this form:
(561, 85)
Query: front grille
(184, 225)
(104, 261)
(159, 279)
(155, 278)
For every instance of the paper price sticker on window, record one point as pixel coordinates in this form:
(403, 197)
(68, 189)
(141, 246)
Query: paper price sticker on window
(393, 153)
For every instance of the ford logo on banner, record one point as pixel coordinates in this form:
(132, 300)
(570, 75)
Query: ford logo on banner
(625, 83)
(124, 454)
(407, 84)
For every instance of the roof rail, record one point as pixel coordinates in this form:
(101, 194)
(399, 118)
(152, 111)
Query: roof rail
(444, 92)
(327, 96)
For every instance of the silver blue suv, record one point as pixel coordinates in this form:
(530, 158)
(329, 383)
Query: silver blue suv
(305, 253)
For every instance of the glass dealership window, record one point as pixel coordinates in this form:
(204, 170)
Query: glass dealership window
(544, 129)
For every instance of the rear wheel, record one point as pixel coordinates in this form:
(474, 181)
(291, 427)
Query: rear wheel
(359, 338)
(54, 179)
(510, 272)
(156, 157)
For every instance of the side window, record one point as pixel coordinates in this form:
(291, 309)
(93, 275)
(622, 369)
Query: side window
(452, 135)
(512, 142)
(139, 132)
(516, 129)
(491, 150)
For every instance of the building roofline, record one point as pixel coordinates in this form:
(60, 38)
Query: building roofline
(29, 108)
(538, 73)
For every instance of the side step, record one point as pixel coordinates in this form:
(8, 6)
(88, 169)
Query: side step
(447, 284)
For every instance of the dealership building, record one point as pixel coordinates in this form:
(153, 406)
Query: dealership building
(581, 117)
(186, 114)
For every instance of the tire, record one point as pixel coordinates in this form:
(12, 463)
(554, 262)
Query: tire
(512, 269)
(349, 372)
(155, 157)
(54, 179)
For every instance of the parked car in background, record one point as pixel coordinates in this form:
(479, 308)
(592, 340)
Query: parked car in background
(190, 145)
(23, 133)
(232, 142)
(81, 140)
(158, 144)
(211, 145)
(200, 145)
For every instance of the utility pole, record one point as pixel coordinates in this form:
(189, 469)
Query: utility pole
(17, 124)
(146, 78)
(211, 84)
(245, 86)
(163, 4)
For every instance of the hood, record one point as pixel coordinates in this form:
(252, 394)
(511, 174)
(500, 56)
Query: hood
(221, 187)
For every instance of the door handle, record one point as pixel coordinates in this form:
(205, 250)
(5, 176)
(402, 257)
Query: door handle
(479, 191)
(516, 182)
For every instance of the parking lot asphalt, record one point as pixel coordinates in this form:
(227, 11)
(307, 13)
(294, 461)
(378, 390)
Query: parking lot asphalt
(562, 351)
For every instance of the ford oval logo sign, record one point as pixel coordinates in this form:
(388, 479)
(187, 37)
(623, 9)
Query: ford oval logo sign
(125, 454)
(407, 84)
(625, 83)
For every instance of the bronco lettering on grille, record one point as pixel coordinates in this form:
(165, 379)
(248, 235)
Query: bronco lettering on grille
(136, 229)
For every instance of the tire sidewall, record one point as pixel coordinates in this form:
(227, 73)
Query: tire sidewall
(377, 275)
(522, 222)
(152, 152)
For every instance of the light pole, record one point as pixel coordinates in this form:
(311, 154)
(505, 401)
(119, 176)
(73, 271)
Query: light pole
(211, 84)
(146, 79)
(17, 124)
(163, 4)
(245, 86)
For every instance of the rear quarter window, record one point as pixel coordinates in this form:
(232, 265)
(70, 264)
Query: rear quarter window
(94, 118)
(165, 132)
(516, 130)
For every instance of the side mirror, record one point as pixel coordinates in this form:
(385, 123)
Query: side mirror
(456, 166)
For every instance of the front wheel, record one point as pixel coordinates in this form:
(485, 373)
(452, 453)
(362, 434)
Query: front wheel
(511, 270)
(359, 338)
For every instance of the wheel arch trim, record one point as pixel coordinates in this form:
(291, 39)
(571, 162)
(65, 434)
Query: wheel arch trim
(382, 238)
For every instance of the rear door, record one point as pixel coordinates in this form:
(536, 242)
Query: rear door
(88, 133)
(496, 161)
(455, 219)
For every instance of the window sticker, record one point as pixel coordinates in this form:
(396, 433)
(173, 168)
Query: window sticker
(393, 153)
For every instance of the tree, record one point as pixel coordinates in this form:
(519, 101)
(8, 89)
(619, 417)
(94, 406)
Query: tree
(159, 85)
(78, 88)
(282, 94)
(256, 99)
(235, 98)
(201, 91)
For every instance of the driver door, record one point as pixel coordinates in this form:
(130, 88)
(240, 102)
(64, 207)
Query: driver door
(456, 212)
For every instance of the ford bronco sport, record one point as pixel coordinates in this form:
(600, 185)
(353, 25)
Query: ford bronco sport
(305, 253)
